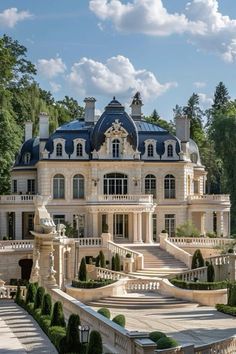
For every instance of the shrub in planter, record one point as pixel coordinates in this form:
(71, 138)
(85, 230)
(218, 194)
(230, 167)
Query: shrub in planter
(117, 262)
(45, 322)
(113, 263)
(105, 312)
(197, 260)
(166, 342)
(18, 297)
(95, 343)
(97, 263)
(39, 297)
(120, 320)
(47, 305)
(58, 315)
(156, 335)
(71, 342)
(229, 310)
(82, 270)
(31, 292)
(232, 294)
(210, 273)
(102, 259)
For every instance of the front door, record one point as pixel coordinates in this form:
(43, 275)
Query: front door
(120, 225)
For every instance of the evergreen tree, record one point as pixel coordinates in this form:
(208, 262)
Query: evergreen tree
(58, 315)
(113, 263)
(31, 292)
(117, 262)
(47, 305)
(210, 273)
(102, 259)
(221, 97)
(71, 342)
(82, 270)
(197, 260)
(39, 297)
(95, 343)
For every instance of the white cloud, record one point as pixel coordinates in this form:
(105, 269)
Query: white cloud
(55, 87)
(116, 76)
(10, 17)
(199, 84)
(201, 21)
(144, 16)
(50, 68)
(204, 100)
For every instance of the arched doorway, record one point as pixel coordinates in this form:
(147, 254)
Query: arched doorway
(26, 266)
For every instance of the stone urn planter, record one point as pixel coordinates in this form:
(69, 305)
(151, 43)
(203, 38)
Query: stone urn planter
(128, 262)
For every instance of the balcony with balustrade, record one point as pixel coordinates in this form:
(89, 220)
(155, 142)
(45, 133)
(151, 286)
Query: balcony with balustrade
(217, 199)
(17, 199)
(116, 199)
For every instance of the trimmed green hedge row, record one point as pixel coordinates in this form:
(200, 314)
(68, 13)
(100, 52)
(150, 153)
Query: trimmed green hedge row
(91, 284)
(229, 310)
(199, 285)
(162, 341)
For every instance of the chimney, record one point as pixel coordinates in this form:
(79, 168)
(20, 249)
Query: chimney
(136, 107)
(183, 128)
(89, 112)
(43, 126)
(28, 130)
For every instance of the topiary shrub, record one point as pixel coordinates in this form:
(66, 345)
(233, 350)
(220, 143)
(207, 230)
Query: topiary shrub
(113, 263)
(58, 315)
(95, 343)
(117, 262)
(210, 273)
(166, 342)
(31, 292)
(102, 259)
(71, 342)
(18, 298)
(232, 294)
(82, 270)
(155, 336)
(105, 312)
(56, 333)
(197, 260)
(46, 305)
(97, 262)
(120, 320)
(38, 302)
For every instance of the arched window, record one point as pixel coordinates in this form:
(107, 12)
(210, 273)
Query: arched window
(27, 158)
(59, 149)
(170, 150)
(150, 150)
(58, 186)
(150, 185)
(169, 186)
(115, 183)
(78, 186)
(79, 150)
(116, 148)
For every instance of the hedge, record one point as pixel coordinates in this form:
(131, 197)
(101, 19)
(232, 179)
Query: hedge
(120, 320)
(166, 342)
(91, 284)
(229, 310)
(156, 335)
(104, 312)
(199, 285)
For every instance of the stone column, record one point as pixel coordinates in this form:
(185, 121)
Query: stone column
(220, 223)
(135, 219)
(95, 223)
(18, 225)
(149, 227)
(110, 224)
(209, 221)
(139, 228)
(203, 220)
(3, 225)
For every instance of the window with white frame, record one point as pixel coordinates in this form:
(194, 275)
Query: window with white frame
(115, 183)
(59, 149)
(27, 158)
(150, 185)
(79, 150)
(169, 187)
(58, 186)
(59, 219)
(170, 224)
(116, 148)
(170, 150)
(14, 186)
(78, 187)
(150, 150)
(31, 186)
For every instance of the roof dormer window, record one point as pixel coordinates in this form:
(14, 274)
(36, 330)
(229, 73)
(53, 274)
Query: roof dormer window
(116, 148)
(150, 150)
(27, 158)
(79, 149)
(170, 150)
(59, 149)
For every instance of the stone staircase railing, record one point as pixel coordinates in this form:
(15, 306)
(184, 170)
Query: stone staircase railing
(141, 285)
(104, 273)
(123, 251)
(199, 241)
(174, 250)
(16, 245)
(190, 275)
(89, 242)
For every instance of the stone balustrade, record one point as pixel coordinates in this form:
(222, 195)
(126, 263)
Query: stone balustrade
(209, 198)
(223, 259)
(17, 199)
(122, 251)
(89, 242)
(7, 291)
(199, 241)
(141, 285)
(190, 275)
(16, 245)
(225, 346)
(124, 198)
(104, 273)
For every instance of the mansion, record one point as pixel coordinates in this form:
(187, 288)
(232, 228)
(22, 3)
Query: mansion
(115, 173)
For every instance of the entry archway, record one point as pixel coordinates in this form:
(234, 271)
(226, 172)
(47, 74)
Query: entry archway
(26, 266)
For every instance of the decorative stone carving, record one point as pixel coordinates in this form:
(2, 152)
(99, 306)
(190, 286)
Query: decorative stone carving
(43, 223)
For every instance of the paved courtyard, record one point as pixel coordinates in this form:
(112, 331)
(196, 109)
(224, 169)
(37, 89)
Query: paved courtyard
(200, 325)
(19, 333)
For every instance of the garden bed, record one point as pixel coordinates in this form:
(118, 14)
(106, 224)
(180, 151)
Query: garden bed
(91, 284)
(199, 285)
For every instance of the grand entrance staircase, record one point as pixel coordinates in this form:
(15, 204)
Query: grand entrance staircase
(157, 262)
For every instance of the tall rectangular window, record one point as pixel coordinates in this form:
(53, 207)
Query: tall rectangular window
(59, 219)
(14, 186)
(154, 226)
(31, 186)
(170, 224)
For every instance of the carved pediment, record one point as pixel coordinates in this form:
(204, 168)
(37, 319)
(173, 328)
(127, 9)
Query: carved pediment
(116, 130)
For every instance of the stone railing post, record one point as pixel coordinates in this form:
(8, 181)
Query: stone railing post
(163, 237)
(106, 237)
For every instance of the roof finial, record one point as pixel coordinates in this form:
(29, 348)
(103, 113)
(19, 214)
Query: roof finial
(114, 97)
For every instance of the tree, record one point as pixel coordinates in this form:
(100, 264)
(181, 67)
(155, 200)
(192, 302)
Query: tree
(47, 305)
(71, 105)
(102, 259)
(117, 262)
(210, 273)
(155, 118)
(188, 229)
(31, 292)
(197, 260)
(95, 343)
(58, 315)
(221, 97)
(39, 297)
(113, 263)
(71, 342)
(82, 270)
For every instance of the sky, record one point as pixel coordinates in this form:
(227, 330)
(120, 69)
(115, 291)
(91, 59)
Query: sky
(165, 49)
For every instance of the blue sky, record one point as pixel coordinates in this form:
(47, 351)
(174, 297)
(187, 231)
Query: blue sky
(165, 49)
